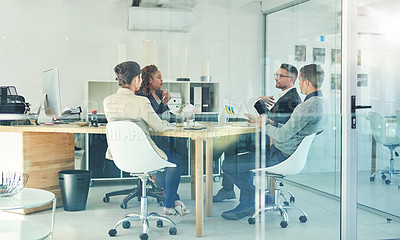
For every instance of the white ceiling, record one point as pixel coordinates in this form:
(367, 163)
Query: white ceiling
(192, 3)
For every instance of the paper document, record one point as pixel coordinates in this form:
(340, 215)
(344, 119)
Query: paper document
(235, 109)
(71, 110)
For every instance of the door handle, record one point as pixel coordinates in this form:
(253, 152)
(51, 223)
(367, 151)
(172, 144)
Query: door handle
(354, 107)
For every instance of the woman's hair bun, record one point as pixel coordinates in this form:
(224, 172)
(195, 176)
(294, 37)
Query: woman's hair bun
(126, 72)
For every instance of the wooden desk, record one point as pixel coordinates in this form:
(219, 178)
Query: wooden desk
(46, 149)
(41, 151)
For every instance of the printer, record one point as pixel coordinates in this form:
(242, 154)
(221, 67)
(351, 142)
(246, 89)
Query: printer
(11, 102)
(13, 108)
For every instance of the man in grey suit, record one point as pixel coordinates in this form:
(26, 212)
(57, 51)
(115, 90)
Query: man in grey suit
(285, 78)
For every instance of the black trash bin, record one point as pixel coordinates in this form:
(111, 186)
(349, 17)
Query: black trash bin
(74, 186)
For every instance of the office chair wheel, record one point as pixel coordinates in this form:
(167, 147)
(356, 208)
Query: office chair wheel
(388, 181)
(160, 223)
(281, 184)
(303, 219)
(372, 179)
(112, 232)
(396, 154)
(126, 224)
(251, 221)
(284, 224)
(160, 202)
(172, 231)
(383, 176)
(106, 199)
(292, 199)
(286, 203)
(123, 205)
(143, 236)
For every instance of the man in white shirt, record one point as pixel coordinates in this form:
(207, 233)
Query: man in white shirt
(285, 78)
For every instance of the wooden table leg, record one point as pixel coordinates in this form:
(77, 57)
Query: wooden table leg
(199, 187)
(209, 176)
(192, 170)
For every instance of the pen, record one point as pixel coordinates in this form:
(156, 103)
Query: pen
(165, 94)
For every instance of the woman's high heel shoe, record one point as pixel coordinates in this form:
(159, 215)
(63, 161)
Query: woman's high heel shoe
(180, 208)
(170, 211)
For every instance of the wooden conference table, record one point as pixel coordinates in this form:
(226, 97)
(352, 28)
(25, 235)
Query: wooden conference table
(42, 151)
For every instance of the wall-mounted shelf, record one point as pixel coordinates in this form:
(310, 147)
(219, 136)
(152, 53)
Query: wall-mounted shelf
(97, 90)
(203, 95)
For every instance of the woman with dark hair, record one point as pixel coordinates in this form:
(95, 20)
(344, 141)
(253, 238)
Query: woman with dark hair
(125, 105)
(151, 88)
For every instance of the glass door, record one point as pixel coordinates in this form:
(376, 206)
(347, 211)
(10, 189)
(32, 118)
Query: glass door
(378, 58)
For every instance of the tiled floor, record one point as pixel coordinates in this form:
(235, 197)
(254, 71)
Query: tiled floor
(376, 194)
(323, 223)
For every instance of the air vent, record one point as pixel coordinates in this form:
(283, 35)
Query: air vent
(160, 19)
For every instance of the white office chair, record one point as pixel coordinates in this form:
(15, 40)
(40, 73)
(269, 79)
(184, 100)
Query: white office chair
(291, 166)
(387, 137)
(133, 153)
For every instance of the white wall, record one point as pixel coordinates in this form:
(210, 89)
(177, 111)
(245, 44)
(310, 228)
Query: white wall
(81, 38)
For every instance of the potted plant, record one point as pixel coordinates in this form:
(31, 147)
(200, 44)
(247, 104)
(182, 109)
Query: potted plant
(179, 115)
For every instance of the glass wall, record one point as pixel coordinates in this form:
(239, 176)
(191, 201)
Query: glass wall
(300, 35)
(307, 33)
(310, 32)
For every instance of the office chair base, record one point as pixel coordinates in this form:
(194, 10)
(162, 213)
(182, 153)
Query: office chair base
(125, 222)
(143, 217)
(153, 191)
(281, 207)
(387, 174)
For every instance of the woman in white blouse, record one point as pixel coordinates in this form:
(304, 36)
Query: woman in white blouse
(125, 105)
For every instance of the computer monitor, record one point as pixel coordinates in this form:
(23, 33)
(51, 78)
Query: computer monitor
(51, 94)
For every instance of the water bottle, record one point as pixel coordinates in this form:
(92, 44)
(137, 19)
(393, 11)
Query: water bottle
(223, 118)
(94, 121)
